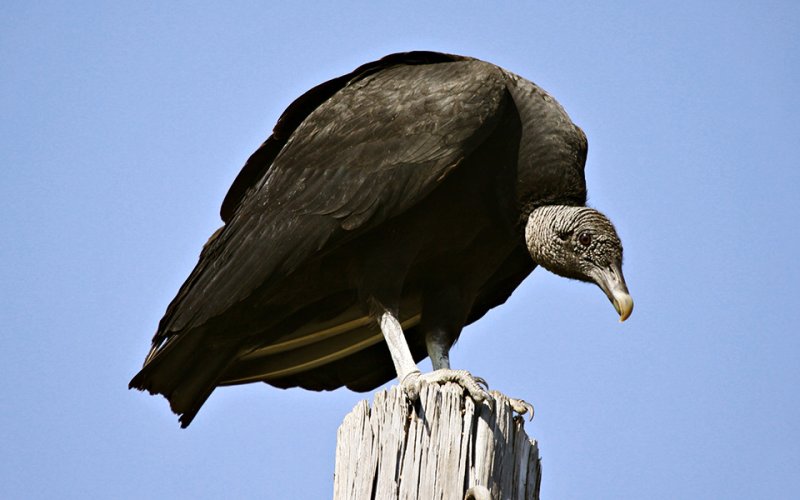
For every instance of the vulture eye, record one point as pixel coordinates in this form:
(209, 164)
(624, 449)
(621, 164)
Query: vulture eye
(585, 238)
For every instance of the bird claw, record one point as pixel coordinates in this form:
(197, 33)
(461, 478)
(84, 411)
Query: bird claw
(476, 387)
(411, 385)
(520, 406)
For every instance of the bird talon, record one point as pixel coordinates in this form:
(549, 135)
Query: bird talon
(522, 407)
(473, 385)
(412, 385)
(519, 406)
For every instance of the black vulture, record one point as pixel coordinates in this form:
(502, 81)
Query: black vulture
(389, 208)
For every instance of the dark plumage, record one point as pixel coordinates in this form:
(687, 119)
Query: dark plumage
(397, 195)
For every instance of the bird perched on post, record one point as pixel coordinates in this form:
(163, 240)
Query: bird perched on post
(389, 208)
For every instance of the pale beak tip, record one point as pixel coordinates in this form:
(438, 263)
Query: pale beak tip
(623, 303)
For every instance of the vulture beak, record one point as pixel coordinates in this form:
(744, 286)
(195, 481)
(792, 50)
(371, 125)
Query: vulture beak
(611, 281)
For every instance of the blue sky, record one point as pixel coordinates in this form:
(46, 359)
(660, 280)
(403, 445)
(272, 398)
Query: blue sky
(125, 123)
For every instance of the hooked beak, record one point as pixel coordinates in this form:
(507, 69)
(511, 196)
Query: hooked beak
(611, 281)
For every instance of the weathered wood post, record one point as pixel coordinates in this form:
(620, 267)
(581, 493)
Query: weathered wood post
(442, 447)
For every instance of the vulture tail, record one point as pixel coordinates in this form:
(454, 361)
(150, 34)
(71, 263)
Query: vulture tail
(186, 376)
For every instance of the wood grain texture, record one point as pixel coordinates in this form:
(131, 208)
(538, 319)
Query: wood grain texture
(443, 447)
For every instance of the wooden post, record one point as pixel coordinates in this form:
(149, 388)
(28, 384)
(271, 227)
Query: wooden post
(442, 447)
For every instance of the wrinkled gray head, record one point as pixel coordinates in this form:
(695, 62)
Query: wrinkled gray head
(580, 243)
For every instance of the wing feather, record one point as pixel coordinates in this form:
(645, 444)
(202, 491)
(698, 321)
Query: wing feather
(369, 152)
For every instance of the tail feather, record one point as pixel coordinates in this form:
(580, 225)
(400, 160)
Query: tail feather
(360, 371)
(186, 373)
(346, 350)
(314, 352)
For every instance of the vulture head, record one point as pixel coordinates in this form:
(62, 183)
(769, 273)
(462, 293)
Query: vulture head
(580, 243)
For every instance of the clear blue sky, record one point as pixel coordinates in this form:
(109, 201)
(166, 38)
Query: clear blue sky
(124, 123)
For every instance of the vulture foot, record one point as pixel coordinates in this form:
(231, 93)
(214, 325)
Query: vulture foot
(476, 387)
(518, 405)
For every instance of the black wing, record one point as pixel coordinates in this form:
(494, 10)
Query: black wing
(369, 152)
(261, 160)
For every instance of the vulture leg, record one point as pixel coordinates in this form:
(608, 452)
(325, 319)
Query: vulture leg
(407, 372)
(398, 347)
(438, 345)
